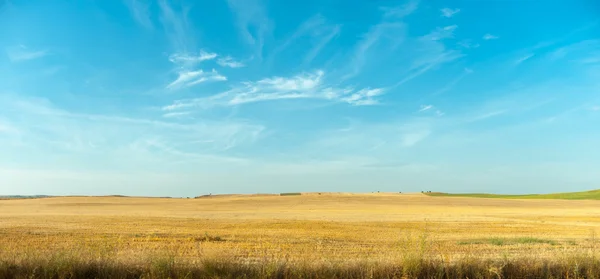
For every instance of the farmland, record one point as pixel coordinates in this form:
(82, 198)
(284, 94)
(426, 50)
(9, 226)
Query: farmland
(587, 195)
(340, 232)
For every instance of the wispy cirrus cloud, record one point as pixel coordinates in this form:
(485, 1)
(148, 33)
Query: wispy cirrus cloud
(22, 53)
(140, 10)
(524, 58)
(394, 31)
(190, 59)
(448, 12)
(468, 44)
(333, 31)
(302, 86)
(368, 142)
(578, 49)
(228, 61)
(421, 53)
(453, 82)
(178, 114)
(253, 22)
(431, 108)
(432, 53)
(315, 27)
(441, 33)
(401, 11)
(489, 36)
(487, 115)
(108, 137)
(191, 78)
(177, 27)
(425, 108)
(187, 72)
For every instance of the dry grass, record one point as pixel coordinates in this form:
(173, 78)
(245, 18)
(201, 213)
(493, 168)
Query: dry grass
(312, 236)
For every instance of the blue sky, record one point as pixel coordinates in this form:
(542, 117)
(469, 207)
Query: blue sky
(182, 98)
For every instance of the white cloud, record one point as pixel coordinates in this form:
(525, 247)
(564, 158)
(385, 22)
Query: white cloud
(363, 97)
(176, 114)
(468, 44)
(22, 53)
(432, 109)
(447, 12)
(489, 37)
(595, 108)
(441, 33)
(401, 11)
(425, 108)
(302, 86)
(188, 59)
(140, 11)
(524, 58)
(228, 61)
(190, 78)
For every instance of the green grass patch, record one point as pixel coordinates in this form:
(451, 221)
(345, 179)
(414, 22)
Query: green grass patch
(290, 194)
(587, 195)
(498, 241)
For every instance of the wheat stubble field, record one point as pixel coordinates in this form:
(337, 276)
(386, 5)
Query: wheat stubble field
(383, 235)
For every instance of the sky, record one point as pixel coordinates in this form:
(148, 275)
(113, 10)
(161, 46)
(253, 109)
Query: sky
(184, 98)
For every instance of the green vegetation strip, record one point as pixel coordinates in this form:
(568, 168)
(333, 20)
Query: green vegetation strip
(290, 194)
(588, 195)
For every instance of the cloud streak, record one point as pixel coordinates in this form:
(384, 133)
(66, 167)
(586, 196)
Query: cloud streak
(191, 78)
(140, 12)
(334, 31)
(176, 27)
(441, 33)
(188, 59)
(395, 31)
(524, 58)
(447, 12)
(110, 137)
(314, 27)
(228, 61)
(253, 23)
(488, 37)
(302, 86)
(401, 11)
(22, 53)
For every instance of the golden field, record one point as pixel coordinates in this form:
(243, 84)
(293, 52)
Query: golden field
(326, 229)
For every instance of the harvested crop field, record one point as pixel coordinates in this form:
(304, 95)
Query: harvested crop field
(384, 229)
